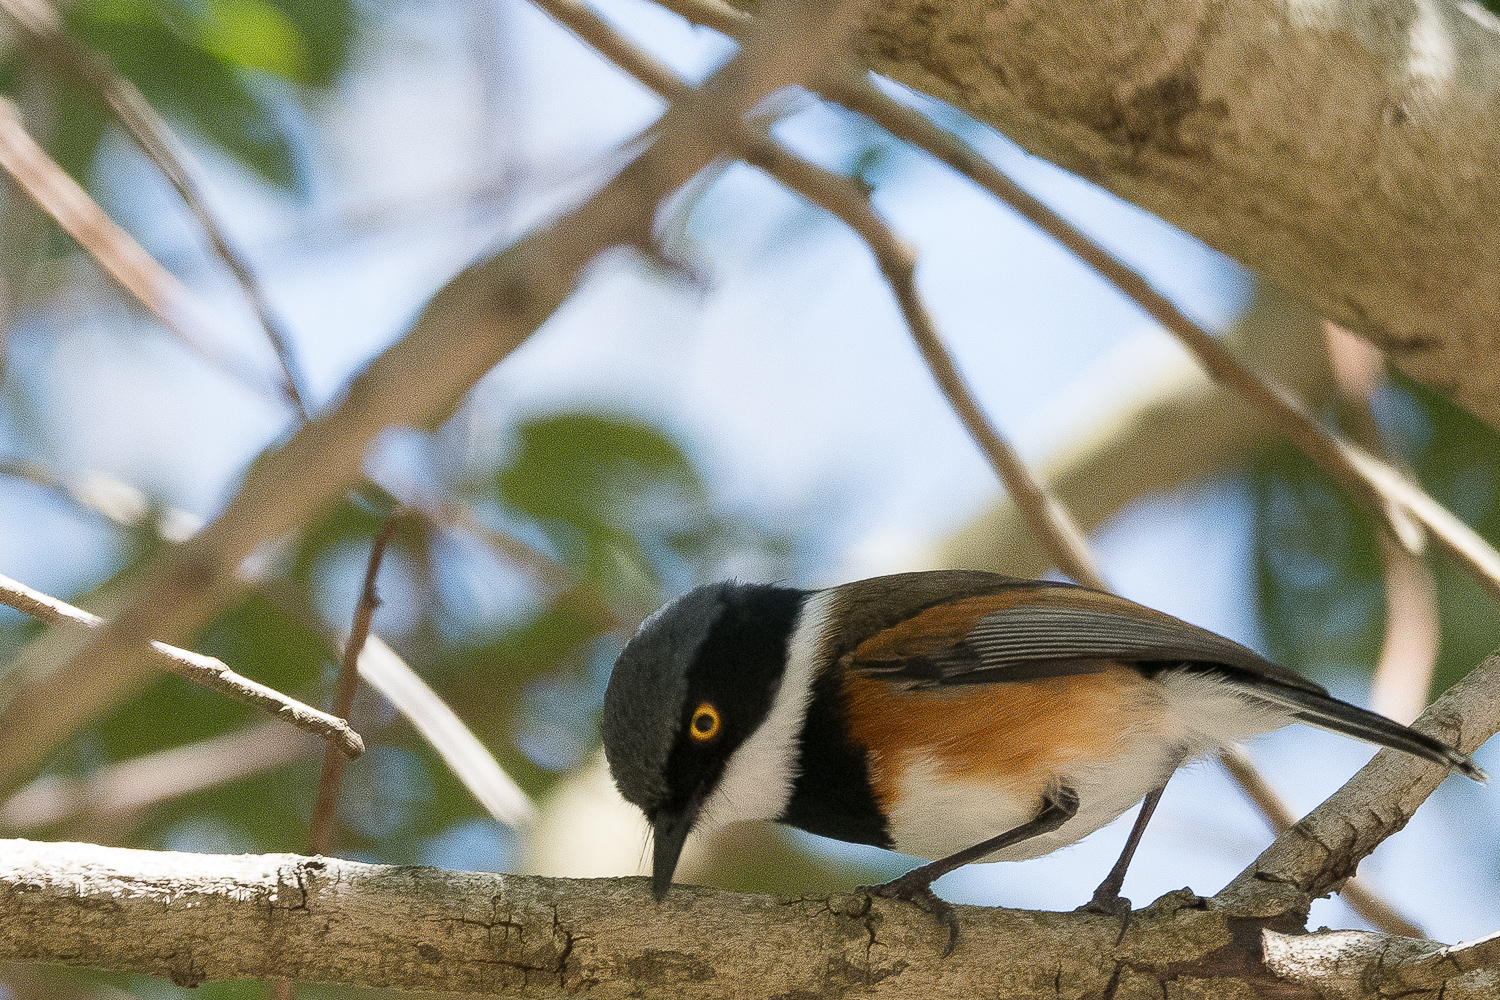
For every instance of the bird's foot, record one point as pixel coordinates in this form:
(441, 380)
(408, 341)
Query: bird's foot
(918, 892)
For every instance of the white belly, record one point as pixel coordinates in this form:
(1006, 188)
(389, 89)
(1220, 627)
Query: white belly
(938, 813)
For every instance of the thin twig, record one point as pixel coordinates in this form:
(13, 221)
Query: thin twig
(121, 257)
(1409, 651)
(41, 26)
(208, 671)
(348, 681)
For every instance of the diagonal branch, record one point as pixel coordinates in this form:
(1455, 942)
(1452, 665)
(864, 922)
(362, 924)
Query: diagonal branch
(1370, 481)
(208, 671)
(41, 28)
(1323, 849)
(120, 256)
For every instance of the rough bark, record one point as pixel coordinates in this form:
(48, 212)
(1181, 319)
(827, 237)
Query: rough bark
(198, 917)
(1347, 150)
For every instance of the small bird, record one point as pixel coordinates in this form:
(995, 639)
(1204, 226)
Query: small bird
(950, 715)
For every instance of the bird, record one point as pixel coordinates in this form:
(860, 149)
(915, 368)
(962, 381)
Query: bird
(951, 715)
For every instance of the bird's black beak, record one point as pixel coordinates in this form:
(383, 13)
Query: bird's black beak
(669, 833)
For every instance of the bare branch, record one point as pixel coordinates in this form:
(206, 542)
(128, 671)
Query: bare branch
(146, 781)
(197, 918)
(1408, 655)
(1279, 816)
(1320, 851)
(204, 670)
(41, 27)
(121, 257)
(321, 828)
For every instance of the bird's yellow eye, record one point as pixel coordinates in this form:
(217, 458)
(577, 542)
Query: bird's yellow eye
(705, 724)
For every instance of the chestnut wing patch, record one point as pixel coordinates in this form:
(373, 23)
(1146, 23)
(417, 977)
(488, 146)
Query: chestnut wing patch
(1047, 632)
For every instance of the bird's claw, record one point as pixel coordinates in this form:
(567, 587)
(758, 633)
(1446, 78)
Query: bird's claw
(920, 895)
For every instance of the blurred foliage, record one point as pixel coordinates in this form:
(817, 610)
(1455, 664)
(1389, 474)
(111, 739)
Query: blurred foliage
(625, 513)
(1317, 558)
(222, 68)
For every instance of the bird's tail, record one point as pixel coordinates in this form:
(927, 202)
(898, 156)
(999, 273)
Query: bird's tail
(1329, 713)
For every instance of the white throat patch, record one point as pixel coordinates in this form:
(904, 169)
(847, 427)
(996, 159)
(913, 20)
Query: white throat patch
(758, 777)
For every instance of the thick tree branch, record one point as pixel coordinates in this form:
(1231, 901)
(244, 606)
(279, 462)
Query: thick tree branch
(195, 918)
(1345, 150)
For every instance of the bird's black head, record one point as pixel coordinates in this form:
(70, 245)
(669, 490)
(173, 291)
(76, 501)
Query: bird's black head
(693, 684)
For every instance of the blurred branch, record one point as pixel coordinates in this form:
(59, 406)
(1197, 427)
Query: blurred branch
(121, 257)
(203, 670)
(466, 757)
(473, 322)
(41, 28)
(1409, 652)
(1173, 427)
(1316, 854)
(715, 14)
(329, 783)
(155, 778)
(197, 918)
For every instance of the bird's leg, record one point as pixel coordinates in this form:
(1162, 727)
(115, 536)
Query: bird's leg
(1107, 898)
(915, 886)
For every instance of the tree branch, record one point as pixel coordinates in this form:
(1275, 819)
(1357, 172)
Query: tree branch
(1316, 855)
(41, 28)
(197, 918)
(207, 671)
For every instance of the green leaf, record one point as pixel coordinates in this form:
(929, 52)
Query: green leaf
(612, 493)
(254, 35)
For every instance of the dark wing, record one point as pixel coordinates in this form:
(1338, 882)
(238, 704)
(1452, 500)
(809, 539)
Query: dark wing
(1040, 629)
(1015, 630)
